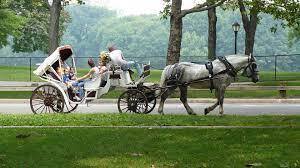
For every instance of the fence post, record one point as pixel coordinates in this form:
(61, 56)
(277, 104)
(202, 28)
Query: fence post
(275, 70)
(30, 69)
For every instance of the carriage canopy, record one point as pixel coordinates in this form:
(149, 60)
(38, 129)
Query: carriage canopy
(60, 54)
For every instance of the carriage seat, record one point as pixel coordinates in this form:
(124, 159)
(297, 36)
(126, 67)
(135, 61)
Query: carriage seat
(95, 88)
(118, 77)
(95, 84)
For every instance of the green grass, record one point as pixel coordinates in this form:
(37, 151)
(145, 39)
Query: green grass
(144, 148)
(146, 120)
(191, 94)
(8, 73)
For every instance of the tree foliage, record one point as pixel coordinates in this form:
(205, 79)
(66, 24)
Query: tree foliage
(10, 22)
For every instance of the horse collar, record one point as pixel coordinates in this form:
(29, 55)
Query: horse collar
(229, 68)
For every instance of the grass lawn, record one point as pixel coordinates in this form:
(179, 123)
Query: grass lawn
(129, 147)
(8, 73)
(144, 147)
(191, 94)
(146, 120)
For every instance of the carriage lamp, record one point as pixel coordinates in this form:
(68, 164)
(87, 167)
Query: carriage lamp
(236, 28)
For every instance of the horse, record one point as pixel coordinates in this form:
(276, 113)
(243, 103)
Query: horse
(218, 75)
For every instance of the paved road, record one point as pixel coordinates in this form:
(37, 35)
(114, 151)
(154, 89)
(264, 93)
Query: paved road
(230, 108)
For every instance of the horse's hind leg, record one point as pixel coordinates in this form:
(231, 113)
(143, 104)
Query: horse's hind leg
(163, 98)
(221, 101)
(183, 99)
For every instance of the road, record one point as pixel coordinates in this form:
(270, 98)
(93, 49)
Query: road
(174, 108)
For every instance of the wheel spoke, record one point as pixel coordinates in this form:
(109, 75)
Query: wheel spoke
(42, 109)
(37, 104)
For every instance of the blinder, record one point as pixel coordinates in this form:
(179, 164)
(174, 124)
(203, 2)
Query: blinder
(252, 68)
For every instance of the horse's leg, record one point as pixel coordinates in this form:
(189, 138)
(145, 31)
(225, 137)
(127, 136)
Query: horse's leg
(221, 99)
(211, 108)
(183, 99)
(163, 98)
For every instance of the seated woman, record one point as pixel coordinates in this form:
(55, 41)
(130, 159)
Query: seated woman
(90, 76)
(103, 60)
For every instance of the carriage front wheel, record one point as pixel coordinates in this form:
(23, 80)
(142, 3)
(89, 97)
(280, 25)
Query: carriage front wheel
(151, 98)
(46, 99)
(134, 101)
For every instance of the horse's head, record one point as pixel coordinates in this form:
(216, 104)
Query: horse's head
(251, 70)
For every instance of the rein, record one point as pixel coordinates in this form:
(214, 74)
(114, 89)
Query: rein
(229, 68)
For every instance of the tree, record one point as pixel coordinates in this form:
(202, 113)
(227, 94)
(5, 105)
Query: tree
(173, 8)
(33, 32)
(55, 11)
(212, 33)
(287, 11)
(10, 23)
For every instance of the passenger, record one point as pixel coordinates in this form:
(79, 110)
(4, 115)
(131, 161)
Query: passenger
(103, 60)
(72, 74)
(117, 58)
(90, 76)
(66, 75)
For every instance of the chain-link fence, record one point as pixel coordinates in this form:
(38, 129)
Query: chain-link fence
(273, 67)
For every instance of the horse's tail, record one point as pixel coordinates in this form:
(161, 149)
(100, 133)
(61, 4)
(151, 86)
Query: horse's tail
(163, 77)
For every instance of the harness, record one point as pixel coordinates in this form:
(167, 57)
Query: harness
(175, 75)
(229, 68)
(209, 67)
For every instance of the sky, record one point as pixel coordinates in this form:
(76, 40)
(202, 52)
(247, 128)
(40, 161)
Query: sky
(136, 7)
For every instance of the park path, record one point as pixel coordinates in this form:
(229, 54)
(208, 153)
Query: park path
(22, 107)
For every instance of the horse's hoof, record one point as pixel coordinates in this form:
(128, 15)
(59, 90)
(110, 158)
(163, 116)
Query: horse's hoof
(206, 111)
(161, 113)
(192, 113)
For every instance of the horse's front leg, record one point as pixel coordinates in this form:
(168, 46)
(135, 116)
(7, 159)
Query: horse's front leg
(183, 99)
(211, 108)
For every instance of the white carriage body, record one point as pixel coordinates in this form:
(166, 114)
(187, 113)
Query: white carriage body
(93, 90)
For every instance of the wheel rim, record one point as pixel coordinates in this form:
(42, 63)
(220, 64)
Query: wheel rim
(46, 99)
(69, 108)
(151, 99)
(132, 101)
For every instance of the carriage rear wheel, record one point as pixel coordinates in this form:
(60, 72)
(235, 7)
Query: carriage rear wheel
(46, 99)
(151, 99)
(134, 101)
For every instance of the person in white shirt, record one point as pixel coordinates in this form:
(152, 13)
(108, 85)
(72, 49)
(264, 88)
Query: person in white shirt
(117, 58)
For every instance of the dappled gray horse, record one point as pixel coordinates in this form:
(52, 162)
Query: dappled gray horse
(217, 75)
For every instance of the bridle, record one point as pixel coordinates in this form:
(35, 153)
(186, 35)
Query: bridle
(252, 66)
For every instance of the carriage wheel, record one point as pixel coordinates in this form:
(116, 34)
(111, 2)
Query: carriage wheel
(69, 108)
(151, 99)
(46, 99)
(132, 101)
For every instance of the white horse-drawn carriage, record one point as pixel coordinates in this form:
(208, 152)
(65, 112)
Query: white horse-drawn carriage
(56, 96)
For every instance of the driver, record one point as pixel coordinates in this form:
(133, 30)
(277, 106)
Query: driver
(117, 58)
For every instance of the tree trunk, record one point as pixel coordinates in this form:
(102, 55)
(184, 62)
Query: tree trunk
(250, 34)
(212, 33)
(175, 36)
(249, 25)
(54, 25)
